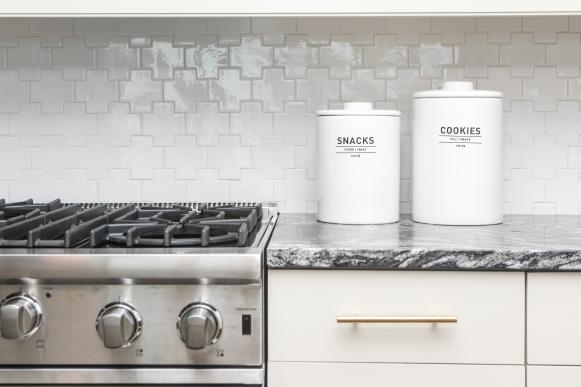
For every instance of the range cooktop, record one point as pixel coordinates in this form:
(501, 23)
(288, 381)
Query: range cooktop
(31, 225)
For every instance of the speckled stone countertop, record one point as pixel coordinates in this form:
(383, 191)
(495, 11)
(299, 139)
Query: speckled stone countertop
(522, 243)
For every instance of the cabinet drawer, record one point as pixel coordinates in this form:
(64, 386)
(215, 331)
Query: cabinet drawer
(539, 376)
(303, 306)
(554, 318)
(282, 374)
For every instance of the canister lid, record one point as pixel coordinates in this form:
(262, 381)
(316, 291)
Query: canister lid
(358, 109)
(458, 90)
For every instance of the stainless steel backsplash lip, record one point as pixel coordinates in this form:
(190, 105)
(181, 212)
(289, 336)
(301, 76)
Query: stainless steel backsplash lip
(229, 267)
(116, 376)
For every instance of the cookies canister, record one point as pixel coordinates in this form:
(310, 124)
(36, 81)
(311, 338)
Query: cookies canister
(358, 164)
(457, 156)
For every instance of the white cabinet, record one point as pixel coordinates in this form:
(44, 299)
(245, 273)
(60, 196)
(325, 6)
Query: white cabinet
(303, 306)
(296, 7)
(554, 318)
(394, 375)
(553, 376)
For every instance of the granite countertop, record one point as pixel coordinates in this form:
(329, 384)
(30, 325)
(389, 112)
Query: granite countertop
(521, 243)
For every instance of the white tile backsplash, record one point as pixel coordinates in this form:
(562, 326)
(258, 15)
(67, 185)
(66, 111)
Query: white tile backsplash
(224, 109)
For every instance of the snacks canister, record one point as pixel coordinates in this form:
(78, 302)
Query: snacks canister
(457, 156)
(358, 161)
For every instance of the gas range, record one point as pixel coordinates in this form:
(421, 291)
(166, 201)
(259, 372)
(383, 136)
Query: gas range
(132, 293)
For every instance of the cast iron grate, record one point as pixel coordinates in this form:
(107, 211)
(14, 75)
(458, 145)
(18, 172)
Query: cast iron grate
(56, 224)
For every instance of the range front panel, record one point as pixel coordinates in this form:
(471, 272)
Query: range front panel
(138, 325)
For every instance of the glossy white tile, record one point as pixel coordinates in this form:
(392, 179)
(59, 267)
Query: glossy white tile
(273, 90)
(363, 87)
(318, 89)
(296, 124)
(273, 157)
(186, 157)
(96, 91)
(74, 124)
(251, 56)
(185, 90)
(117, 58)
(141, 91)
(251, 124)
(141, 157)
(163, 124)
(386, 55)
(207, 124)
(229, 157)
(229, 90)
(206, 56)
(296, 56)
(16, 91)
(73, 58)
(162, 57)
(119, 125)
(98, 157)
(341, 56)
(28, 57)
(51, 91)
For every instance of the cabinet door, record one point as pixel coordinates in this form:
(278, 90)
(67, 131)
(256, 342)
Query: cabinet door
(540, 376)
(554, 318)
(393, 375)
(303, 307)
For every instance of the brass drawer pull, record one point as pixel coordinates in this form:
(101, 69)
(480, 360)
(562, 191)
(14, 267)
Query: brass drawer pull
(397, 319)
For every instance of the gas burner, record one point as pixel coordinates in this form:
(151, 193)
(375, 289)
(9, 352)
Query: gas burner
(56, 224)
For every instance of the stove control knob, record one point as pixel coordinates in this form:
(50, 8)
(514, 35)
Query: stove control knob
(20, 316)
(119, 325)
(199, 325)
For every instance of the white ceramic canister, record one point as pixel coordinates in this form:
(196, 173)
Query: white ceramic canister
(358, 164)
(457, 156)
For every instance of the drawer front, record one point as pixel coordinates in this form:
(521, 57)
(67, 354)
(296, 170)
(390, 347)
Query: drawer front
(547, 376)
(554, 318)
(304, 306)
(282, 374)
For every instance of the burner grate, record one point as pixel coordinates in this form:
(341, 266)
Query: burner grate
(56, 224)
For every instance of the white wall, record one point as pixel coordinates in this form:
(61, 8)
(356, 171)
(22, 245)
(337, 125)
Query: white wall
(223, 109)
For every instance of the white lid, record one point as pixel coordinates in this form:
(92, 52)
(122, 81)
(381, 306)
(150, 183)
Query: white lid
(358, 109)
(458, 89)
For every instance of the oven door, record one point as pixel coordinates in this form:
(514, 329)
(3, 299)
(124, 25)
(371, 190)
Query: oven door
(250, 376)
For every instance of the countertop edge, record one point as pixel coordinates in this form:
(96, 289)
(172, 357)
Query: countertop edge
(424, 259)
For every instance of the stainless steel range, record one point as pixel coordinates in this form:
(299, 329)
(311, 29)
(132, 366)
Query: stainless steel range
(132, 293)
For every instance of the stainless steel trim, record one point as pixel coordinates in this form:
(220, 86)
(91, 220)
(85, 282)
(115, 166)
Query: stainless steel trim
(16, 376)
(175, 267)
